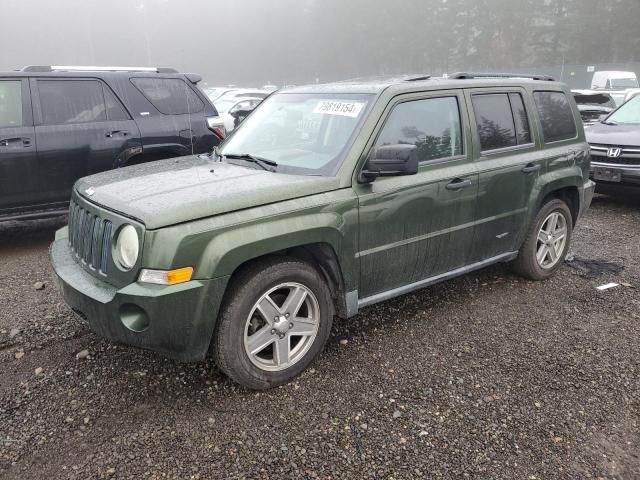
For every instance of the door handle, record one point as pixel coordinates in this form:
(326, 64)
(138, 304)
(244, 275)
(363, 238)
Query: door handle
(7, 141)
(531, 167)
(110, 134)
(458, 184)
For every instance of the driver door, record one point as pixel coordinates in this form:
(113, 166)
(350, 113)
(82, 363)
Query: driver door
(416, 227)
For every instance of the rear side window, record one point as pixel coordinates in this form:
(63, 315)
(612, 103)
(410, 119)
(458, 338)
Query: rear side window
(71, 101)
(433, 125)
(170, 96)
(556, 116)
(523, 133)
(10, 103)
(501, 120)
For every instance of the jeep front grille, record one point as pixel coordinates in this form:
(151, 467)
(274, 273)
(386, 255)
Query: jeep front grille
(89, 238)
(628, 156)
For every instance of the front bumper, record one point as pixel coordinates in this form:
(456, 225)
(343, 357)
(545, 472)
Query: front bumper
(178, 320)
(629, 175)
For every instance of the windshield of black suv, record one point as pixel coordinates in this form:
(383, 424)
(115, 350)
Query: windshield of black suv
(303, 133)
(627, 113)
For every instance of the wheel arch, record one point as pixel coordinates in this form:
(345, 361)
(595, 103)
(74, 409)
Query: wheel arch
(318, 248)
(569, 194)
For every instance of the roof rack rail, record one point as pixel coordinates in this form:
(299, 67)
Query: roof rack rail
(77, 68)
(416, 78)
(467, 76)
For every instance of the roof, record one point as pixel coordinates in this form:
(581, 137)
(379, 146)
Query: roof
(376, 85)
(99, 72)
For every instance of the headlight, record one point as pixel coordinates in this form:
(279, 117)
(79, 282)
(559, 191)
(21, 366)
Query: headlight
(127, 247)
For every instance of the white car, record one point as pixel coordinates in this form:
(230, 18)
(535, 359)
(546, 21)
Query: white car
(226, 108)
(615, 83)
(245, 93)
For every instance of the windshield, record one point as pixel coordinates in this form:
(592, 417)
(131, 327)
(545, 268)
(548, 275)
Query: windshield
(624, 83)
(302, 133)
(627, 113)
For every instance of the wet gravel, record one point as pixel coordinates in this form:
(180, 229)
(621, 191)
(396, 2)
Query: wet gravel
(485, 376)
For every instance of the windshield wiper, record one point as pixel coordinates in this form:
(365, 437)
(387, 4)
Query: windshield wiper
(608, 123)
(265, 163)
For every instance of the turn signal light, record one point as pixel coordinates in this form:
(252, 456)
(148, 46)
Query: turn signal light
(164, 277)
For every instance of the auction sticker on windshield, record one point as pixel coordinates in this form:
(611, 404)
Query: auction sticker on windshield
(336, 107)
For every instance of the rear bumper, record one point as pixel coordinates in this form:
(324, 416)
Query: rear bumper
(177, 321)
(587, 196)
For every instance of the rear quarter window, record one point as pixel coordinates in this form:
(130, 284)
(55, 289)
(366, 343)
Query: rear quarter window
(170, 96)
(10, 103)
(556, 116)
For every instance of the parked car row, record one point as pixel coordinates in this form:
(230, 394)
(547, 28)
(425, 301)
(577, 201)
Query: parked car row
(329, 198)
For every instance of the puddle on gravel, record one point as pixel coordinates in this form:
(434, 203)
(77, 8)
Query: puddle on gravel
(592, 268)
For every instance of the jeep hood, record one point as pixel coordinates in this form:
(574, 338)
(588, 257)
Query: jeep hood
(178, 190)
(622, 135)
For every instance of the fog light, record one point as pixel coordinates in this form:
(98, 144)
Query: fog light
(134, 318)
(164, 277)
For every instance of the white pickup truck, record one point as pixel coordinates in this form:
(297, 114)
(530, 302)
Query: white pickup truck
(615, 83)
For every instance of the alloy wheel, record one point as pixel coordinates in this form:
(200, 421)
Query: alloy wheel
(552, 239)
(281, 326)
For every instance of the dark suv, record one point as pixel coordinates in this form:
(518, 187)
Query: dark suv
(325, 200)
(58, 124)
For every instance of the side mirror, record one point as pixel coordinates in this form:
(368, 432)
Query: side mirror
(390, 161)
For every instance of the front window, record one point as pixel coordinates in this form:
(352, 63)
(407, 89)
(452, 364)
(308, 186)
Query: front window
(432, 125)
(303, 133)
(627, 113)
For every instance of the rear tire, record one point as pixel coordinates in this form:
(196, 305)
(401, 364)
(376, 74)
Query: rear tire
(275, 321)
(546, 243)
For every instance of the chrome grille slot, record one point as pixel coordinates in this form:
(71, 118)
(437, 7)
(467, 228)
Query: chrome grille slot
(89, 238)
(106, 237)
(627, 156)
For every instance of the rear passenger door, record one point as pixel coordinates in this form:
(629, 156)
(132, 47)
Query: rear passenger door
(559, 133)
(508, 162)
(172, 122)
(419, 226)
(81, 129)
(18, 169)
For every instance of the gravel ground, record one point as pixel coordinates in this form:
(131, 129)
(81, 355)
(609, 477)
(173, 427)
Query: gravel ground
(486, 376)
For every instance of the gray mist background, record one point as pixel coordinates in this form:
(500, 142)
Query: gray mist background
(253, 42)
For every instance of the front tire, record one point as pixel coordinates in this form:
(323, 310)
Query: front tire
(275, 321)
(546, 243)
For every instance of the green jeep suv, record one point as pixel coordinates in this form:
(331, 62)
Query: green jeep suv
(327, 199)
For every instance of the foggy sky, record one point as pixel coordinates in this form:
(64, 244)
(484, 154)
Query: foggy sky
(298, 41)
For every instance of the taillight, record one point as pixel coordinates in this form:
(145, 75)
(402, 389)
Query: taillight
(217, 127)
(219, 131)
